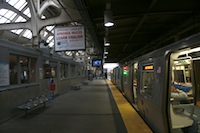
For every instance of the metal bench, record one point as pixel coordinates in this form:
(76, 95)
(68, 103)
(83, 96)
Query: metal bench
(76, 86)
(33, 103)
(85, 83)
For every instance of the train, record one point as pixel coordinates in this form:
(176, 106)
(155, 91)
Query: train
(26, 73)
(147, 81)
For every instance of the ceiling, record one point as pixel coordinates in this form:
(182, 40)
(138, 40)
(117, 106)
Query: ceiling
(140, 25)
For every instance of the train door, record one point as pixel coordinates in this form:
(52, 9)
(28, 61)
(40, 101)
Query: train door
(120, 79)
(50, 73)
(134, 82)
(196, 65)
(126, 80)
(183, 87)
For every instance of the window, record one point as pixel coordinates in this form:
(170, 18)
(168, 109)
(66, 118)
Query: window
(78, 70)
(135, 74)
(32, 70)
(46, 71)
(72, 70)
(135, 81)
(22, 69)
(66, 70)
(82, 70)
(62, 70)
(182, 73)
(13, 69)
(19, 13)
(126, 77)
(50, 70)
(147, 79)
(53, 72)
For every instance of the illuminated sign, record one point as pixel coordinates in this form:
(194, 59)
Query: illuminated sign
(125, 72)
(126, 68)
(149, 67)
(96, 62)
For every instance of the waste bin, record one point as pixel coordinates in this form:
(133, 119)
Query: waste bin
(90, 77)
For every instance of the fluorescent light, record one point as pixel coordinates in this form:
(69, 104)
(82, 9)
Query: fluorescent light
(106, 41)
(194, 50)
(108, 18)
(107, 44)
(109, 24)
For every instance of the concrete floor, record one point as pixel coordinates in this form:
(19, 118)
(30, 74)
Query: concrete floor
(90, 109)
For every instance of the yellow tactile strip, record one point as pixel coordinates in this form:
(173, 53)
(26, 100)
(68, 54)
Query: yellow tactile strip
(133, 122)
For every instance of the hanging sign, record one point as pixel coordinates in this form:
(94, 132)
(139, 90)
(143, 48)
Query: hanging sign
(69, 38)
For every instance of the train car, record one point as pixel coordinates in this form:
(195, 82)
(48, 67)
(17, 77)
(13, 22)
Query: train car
(164, 86)
(127, 87)
(119, 80)
(26, 73)
(116, 78)
(113, 74)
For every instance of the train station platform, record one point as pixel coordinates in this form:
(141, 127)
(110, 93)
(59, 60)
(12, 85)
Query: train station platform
(94, 108)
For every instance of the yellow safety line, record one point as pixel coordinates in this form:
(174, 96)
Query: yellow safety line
(133, 122)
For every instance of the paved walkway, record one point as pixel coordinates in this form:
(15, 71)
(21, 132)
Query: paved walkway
(91, 109)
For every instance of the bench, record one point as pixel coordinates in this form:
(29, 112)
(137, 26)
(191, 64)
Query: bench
(85, 83)
(182, 87)
(178, 120)
(33, 103)
(76, 86)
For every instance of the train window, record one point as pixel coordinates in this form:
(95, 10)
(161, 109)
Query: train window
(134, 82)
(32, 70)
(78, 71)
(26, 66)
(125, 76)
(147, 79)
(46, 71)
(53, 72)
(181, 71)
(63, 71)
(135, 74)
(73, 73)
(13, 69)
(66, 70)
(50, 70)
(82, 70)
(179, 76)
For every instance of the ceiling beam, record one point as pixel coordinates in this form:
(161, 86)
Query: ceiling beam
(139, 14)
(138, 26)
(81, 7)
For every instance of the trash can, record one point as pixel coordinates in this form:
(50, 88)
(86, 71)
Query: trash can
(90, 77)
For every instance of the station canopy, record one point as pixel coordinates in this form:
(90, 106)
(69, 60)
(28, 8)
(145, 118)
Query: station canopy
(140, 26)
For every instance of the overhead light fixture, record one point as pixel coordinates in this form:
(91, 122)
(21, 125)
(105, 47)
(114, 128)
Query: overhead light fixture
(108, 18)
(107, 44)
(106, 41)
